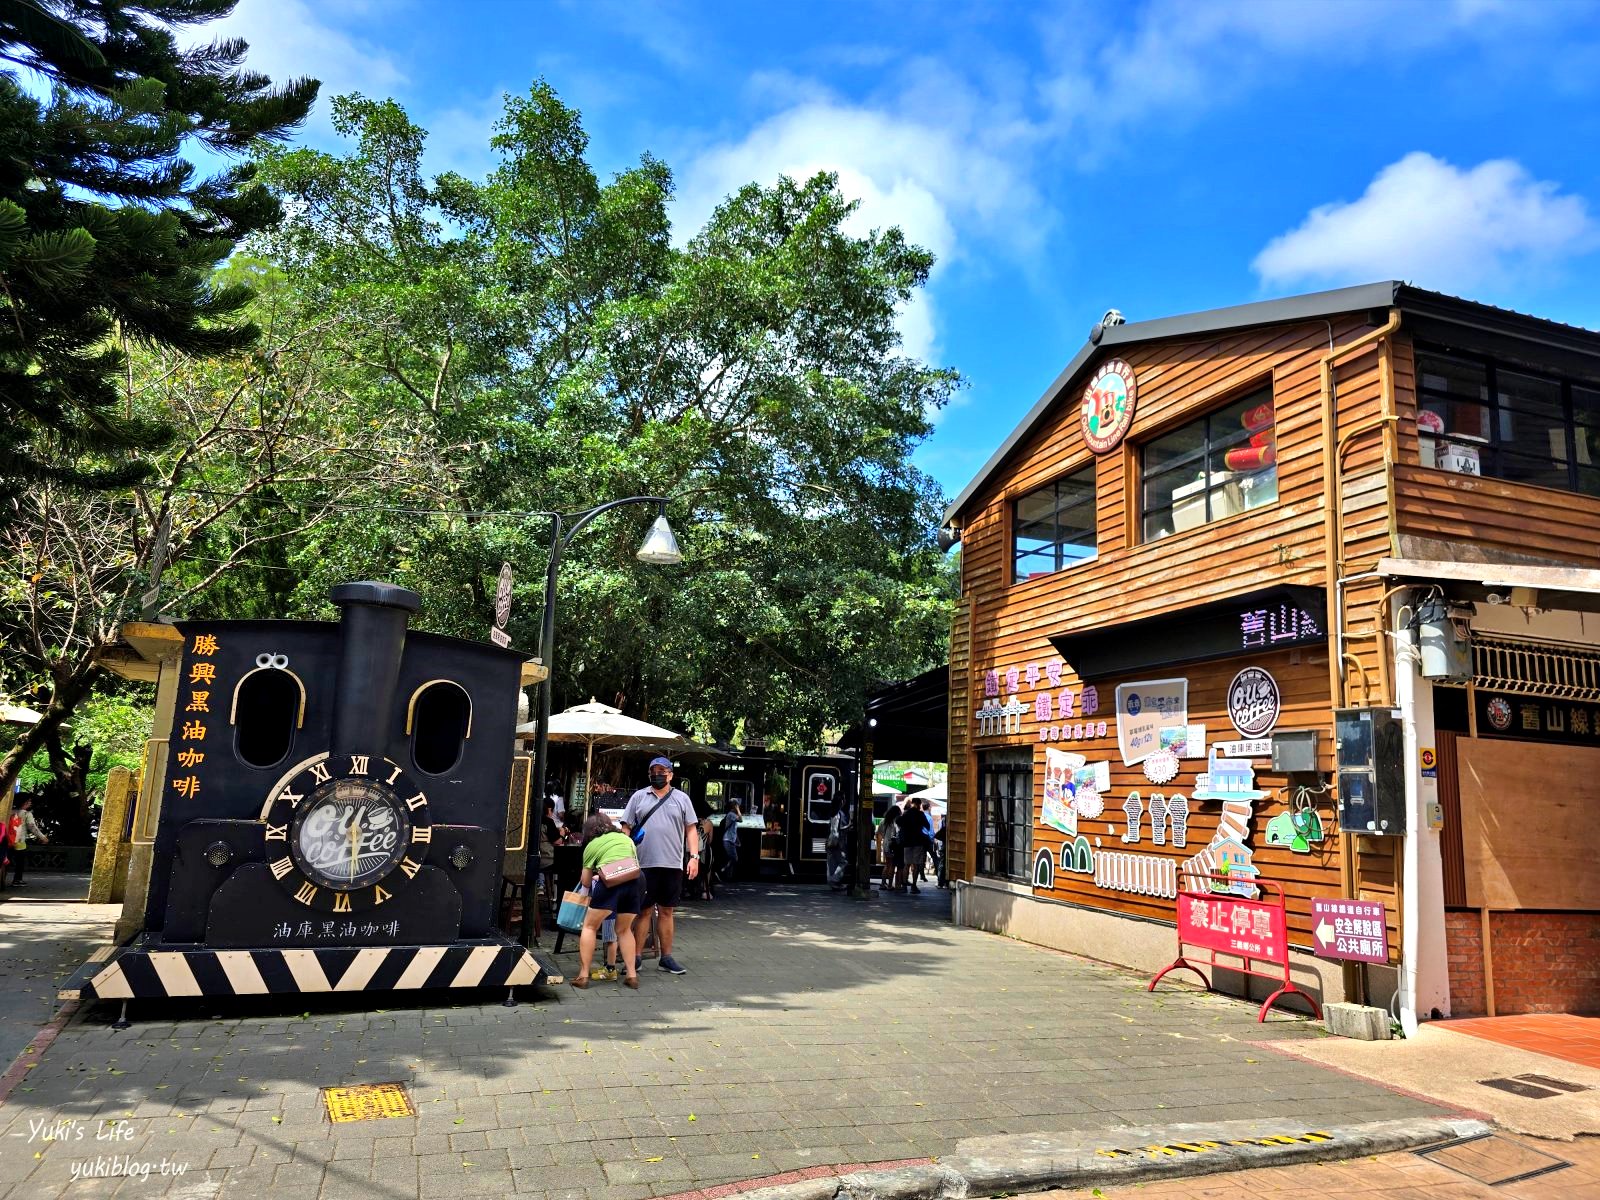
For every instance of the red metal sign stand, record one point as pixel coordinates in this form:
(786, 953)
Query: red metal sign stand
(1252, 931)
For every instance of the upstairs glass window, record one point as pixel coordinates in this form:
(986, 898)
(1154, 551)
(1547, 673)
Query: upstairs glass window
(1053, 527)
(1482, 417)
(1219, 466)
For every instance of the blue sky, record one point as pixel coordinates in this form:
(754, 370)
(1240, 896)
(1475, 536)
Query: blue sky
(1060, 158)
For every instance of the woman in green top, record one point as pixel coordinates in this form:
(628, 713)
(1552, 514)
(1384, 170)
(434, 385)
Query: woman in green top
(603, 844)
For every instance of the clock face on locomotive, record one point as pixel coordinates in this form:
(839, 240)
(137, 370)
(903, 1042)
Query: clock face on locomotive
(344, 832)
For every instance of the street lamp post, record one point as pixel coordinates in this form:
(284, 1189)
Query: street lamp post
(659, 548)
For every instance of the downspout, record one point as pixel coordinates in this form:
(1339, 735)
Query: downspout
(1333, 568)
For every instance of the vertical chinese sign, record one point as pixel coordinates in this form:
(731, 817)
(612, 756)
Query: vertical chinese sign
(193, 720)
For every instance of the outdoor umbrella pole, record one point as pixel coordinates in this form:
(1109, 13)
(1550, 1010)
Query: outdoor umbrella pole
(588, 781)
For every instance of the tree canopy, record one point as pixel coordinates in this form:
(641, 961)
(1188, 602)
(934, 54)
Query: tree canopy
(551, 341)
(108, 234)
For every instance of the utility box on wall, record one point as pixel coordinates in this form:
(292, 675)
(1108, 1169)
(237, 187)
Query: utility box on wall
(1369, 755)
(1444, 644)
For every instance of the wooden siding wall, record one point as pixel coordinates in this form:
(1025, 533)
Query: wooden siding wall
(1010, 624)
(1500, 520)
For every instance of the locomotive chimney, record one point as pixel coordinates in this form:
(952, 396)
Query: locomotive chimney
(372, 634)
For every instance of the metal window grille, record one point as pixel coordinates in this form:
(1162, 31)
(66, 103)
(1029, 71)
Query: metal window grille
(1005, 815)
(1529, 668)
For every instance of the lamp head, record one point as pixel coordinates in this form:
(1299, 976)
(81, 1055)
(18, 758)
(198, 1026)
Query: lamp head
(660, 546)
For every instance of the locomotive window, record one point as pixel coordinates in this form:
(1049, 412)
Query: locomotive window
(441, 722)
(266, 709)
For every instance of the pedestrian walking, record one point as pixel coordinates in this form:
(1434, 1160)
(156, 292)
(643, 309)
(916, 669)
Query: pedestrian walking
(912, 849)
(661, 819)
(603, 845)
(24, 830)
(889, 844)
(838, 839)
(730, 842)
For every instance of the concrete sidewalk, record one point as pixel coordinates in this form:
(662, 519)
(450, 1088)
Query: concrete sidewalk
(810, 1030)
(42, 940)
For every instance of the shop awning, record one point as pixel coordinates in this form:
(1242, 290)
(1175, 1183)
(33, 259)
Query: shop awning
(1274, 618)
(1502, 576)
(911, 719)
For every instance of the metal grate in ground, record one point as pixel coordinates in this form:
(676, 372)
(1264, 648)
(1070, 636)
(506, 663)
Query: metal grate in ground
(1492, 1159)
(367, 1102)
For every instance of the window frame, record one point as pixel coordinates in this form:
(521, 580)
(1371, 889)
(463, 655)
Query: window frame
(1141, 476)
(1091, 469)
(1016, 764)
(1495, 411)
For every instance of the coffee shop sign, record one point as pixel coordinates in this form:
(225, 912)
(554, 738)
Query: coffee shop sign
(1253, 702)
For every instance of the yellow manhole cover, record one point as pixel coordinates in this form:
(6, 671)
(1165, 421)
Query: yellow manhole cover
(367, 1102)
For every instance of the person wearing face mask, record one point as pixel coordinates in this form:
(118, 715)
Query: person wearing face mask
(662, 821)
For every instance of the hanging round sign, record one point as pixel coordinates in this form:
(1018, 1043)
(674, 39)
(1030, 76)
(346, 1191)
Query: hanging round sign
(1108, 404)
(1253, 702)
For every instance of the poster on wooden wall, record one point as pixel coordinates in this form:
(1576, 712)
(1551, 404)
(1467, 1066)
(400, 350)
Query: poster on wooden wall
(1057, 811)
(1144, 709)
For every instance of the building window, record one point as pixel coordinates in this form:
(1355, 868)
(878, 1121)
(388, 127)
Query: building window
(1219, 466)
(1005, 814)
(1481, 417)
(1054, 526)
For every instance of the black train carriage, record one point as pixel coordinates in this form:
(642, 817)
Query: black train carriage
(333, 811)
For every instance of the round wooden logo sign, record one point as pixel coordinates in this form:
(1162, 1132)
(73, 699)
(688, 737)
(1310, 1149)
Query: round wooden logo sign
(1253, 702)
(1108, 404)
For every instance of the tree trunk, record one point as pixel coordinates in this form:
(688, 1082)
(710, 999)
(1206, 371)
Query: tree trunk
(64, 700)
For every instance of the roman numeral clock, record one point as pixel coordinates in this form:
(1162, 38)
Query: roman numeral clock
(331, 807)
(347, 835)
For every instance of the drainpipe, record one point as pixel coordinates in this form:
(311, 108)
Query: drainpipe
(1333, 568)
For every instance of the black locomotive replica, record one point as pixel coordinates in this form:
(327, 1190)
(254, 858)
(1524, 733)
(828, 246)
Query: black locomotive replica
(332, 803)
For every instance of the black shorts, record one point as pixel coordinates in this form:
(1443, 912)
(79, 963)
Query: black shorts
(665, 885)
(627, 898)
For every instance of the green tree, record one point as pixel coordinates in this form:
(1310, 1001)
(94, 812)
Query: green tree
(264, 447)
(555, 348)
(109, 235)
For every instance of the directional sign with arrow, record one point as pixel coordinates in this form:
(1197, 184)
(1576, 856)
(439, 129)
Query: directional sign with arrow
(1356, 930)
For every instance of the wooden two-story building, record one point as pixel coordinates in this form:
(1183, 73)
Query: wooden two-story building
(1211, 535)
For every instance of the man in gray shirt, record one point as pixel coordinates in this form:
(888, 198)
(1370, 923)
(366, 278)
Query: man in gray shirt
(669, 829)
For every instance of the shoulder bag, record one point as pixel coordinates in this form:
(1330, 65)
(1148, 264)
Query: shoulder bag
(623, 870)
(638, 830)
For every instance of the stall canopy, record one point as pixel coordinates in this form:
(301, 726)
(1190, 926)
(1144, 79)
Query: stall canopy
(911, 718)
(595, 724)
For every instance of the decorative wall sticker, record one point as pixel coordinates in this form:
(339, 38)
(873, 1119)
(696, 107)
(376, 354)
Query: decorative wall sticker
(1066, 703)
(1052, 672)
(1178, 819)
(991, 683)
(1298, 828)
(1013, 681)
(1091, 703)
(1089, 803)
(1091, 775)
(1011, 715)
(1142, 874)
(1280, 832)
(1227, 779)
(1057, 811)
(1253, 702)
(1226, 855)
(1158, 818)
(1031, 674)
(1044, 869)
(1076, 856)
(1162, 766)
(1144, 709)
(989, 718)
(1133, 808)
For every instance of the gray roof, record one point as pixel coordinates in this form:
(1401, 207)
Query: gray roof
(1312, 306)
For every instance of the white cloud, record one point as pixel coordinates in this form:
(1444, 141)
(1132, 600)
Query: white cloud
(294, 39)
(1425, 220)
(458, 137)
(929, 175)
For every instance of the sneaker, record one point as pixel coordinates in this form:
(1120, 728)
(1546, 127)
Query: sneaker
(670, 965)
(638, 962)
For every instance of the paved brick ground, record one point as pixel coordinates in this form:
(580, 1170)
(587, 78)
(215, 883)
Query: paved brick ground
(40, 941)
(810, 1030)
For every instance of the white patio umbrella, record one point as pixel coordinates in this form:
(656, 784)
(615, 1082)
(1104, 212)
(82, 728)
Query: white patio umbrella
(16, 714)
(595, 724)
(937, 792)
